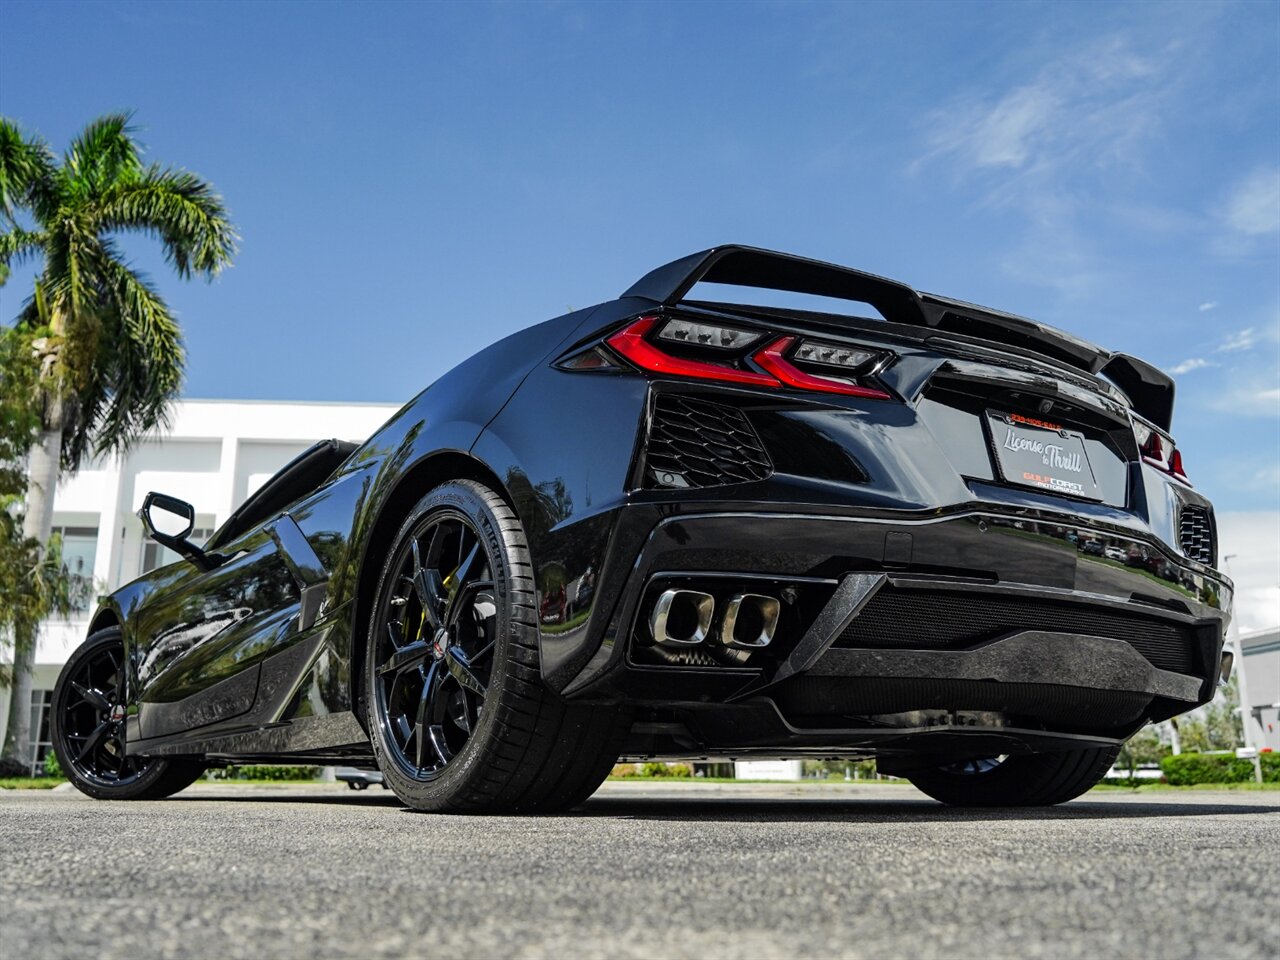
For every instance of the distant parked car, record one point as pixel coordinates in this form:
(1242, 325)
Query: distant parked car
(808, 533)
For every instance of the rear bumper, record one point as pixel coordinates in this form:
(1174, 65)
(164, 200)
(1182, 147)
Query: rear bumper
(1080, 643)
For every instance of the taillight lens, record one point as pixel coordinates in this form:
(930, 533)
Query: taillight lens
(707, 335)
(632, 342)
(1159, 451)
(731, 355)
(773, 358)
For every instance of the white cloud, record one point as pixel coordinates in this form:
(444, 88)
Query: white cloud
(1186, 366)
(1254, 539)
(1092, 106)
(1267, 400)
(1240, 340)
(1208, 305)
(1038, 145)
(1266, 478)
(1250, 399)
(1253, 207)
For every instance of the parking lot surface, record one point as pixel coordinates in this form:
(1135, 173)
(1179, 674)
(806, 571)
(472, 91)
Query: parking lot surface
(685, 870)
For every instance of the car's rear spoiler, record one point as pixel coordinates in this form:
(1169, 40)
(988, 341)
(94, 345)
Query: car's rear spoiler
(1149, 390)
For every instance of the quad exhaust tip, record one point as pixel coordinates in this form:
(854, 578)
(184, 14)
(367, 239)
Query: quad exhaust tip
(749, 621)
(682, 617)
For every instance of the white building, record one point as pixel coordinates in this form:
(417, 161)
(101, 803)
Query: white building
(216, 454)
(1260, 651)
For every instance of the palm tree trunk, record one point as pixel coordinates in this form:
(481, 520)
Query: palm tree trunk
(42, 481)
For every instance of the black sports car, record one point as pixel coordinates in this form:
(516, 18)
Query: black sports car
(672, 527)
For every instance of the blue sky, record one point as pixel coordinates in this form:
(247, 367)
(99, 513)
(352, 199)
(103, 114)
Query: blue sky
(412, 181)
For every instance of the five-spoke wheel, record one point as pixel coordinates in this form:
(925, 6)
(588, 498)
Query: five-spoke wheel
(88, 720)
(457, 711)
(93, 714)
(436, 643)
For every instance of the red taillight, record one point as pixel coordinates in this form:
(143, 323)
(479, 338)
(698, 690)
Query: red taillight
(631, 343)
(773, 359)
(1159, 451)
(1153, 449)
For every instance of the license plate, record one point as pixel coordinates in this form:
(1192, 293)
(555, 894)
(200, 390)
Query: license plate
(1038, 454)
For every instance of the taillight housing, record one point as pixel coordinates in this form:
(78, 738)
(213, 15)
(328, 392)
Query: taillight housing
(724, 353)
(1159, 450)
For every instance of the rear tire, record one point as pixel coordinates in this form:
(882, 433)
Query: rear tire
(1032, 780)
(89, 743)
(459, 718)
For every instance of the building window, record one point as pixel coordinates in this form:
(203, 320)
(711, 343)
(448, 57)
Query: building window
(79, 551)
(154, 555)
(41, 738)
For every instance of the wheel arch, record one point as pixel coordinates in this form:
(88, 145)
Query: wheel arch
(107, 616)
(419, 479)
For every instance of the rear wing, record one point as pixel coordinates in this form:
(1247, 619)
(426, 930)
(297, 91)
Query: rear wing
(1149, 390)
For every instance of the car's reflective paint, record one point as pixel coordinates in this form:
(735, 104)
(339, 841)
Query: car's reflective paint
(219, 666)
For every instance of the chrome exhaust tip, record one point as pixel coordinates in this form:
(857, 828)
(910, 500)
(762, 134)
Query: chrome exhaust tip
(682, 617)
(749, 622)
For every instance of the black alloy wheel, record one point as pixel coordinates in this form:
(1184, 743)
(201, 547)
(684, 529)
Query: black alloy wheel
(437, 644)
(457, 713)
(972, 768)
(1020, 780)
(88, 722)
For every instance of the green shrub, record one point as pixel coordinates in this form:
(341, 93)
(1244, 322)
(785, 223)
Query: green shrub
(264, 772)
(666, 770)
(52, 768)
(1191, 768)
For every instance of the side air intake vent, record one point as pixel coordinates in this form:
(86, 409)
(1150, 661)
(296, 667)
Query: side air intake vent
(1195, 534)
(697, 443)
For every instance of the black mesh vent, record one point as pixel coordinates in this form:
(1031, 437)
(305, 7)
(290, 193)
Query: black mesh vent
(1068, 708)
(1195, 534)
(942, 620)
(696, 443)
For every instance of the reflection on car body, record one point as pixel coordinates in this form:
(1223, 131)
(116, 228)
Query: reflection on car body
(677, 525)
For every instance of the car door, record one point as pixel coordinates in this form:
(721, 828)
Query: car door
(201, 636)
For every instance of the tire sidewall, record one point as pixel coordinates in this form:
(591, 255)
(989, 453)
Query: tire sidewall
(452, 784)
(157, 768)
(1019, 781)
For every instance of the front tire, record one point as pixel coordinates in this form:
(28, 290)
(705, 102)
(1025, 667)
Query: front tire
(458, 715)
(87, 720)
(1029, 780)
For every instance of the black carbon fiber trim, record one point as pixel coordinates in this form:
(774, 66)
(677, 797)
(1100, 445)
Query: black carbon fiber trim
(1067, 708)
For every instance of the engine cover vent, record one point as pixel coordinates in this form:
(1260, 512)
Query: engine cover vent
(698, 443)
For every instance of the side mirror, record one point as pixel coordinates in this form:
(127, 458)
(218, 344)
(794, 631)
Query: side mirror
(169, 521)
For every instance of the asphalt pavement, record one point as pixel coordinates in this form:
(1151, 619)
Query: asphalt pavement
(686, 870)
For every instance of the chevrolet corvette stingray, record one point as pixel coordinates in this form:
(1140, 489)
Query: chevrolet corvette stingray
(688, 524)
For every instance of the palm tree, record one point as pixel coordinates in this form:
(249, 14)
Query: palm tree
(109, 349)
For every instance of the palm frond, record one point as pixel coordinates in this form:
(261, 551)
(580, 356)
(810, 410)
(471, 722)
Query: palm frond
(139, 370)
(181, 210)
(27, 173)
(71, 260)
(104, 154)
(18, 245)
